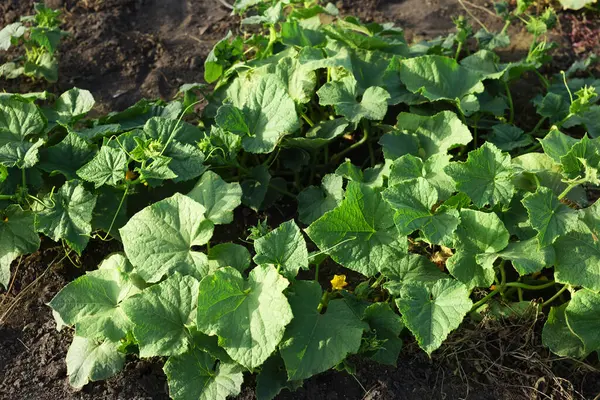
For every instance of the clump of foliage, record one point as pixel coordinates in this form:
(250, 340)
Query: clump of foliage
(446, 195)
(39, 35)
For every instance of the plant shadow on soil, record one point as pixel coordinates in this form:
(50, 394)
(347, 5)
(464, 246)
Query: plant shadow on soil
(123, 50)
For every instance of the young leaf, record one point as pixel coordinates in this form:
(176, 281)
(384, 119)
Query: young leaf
(17, 237)
(583, 155)
(196, 375)
(548, 216)
(359, 233)
(578, 260)
(160, 238)
(431, 313)
(70, 218)
(67, 156)
(284, 248)
(315, 201)
(387, 326)
(485, 177)
(557, 144)
(107, 167)
(413, 202)
(478, 237)
(229, 255)
(10, 31)
(92, 303)
(218, 197)
(186, 161)
(316, 342)
(301, 81)
(74, 104)
(160, 314)
(508, 137)
(342, 95)
(93, 360)
(248, 316)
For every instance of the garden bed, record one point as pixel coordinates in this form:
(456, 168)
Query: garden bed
(126, 50)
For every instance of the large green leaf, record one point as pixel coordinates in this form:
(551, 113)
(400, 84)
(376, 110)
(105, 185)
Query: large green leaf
(218, 197)
(269, 113)
(413, 202)
(21, 155)
(410, 268)
(409, 167)
(527, 257)
(582, 318)
(431, 313)
(160, 238)
(19, 121)
(107, 167)
(248, 316)
(68, 216)
(195, 375)
(559, 337)
(578, 260)
(478, 238)
(160, 314)
(342, 95)
(485, 177)
(92, 303)
(316, 342)
(273, 378)
(548, 216)
(229, 255)
(93, 360)
(359, 233)
(67, 156)
(425, 136)
(284, 248)
(439, 78)
(17, 237)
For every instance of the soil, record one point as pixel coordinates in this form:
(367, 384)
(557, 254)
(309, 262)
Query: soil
(123, 50)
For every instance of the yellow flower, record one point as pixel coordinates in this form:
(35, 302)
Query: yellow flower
(338, 282)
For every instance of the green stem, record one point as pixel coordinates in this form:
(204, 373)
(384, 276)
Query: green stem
(485, 299)
(530, 287)
(317, 272)
(511, 116)
(537, 126)
(378, 282)
(324, 301)
(545, 81)
(362, 141)
(567, 190)
(556, 296)
(505, 27)
(458, 50)
(8, 197)
(307, 119)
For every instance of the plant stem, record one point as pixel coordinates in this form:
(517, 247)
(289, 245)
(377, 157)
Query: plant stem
(556, 296)
(378, 282)
(317, 272)
(485, 299)
(545, 81)
(530, 287)
(458, 50)
(362, 141)
(306, 118)
(567, 190)
(8, 196)
(537, 126)
(511, 115)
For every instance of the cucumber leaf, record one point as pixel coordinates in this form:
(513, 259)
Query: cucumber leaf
(218, 197)
(283, 248)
